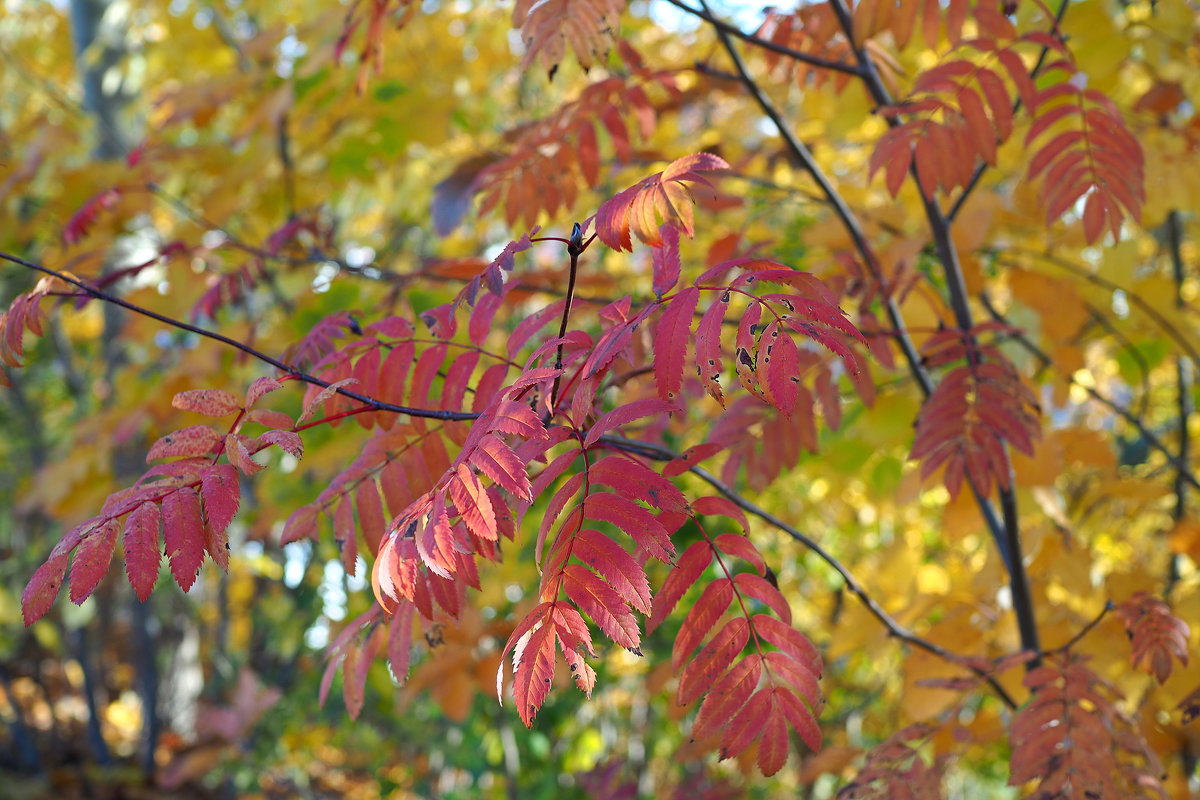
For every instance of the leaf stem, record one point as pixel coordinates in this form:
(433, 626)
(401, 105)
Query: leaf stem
(575, 246)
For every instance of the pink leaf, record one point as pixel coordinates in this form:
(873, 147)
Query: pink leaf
(142, 551)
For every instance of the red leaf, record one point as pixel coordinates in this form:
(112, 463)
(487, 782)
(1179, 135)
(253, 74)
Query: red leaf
(619, 568)
(271, 419)
(626, 414)
(344, 535)
(302, 524)
(533, 323)
(221, 494)
(691, 457)
(399, 644)
(761, 589)
(665, 260)
(435, 541)
(554, 508)
(92, 558)
(183, 533)
(781, 358)
(660, 195)
(600, 602)
(352, 689)
(516, 418)
(209, 402)
(746, 725)
(370, 514)
(773, 744)
(691, 565)
(711, 506)
(238, 453)
(711, 662)
(496, 460)
(533, 668)
(671, 340)
(789, 640)
(708, 349)
(637, 482)
(261, 387)
(312, 404)
(709, 607)
(42, 588)
(726, 696)
(803, 679)
(142, 551)
(1154, 632)
(627, 515)
(197, 440)
(288, 441)
(473, 504)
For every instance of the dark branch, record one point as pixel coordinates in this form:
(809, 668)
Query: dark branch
(732, 30)
(1148, 435)
(293, 371)
(1084, 631)
(1007, 538)
(894, 628)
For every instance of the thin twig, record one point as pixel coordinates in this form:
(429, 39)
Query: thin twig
(1084, 631)
(1148, 435)
(894, 628)
(705, 13)
(293, 371)
(575, 246)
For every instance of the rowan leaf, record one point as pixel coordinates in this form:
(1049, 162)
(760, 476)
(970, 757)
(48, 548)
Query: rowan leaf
(672, 336)
(143, 552)
(688, 569)
(1157, 635)
(709, 607)
(496, 460)
(626, 414)
(603, 604)
(712, 661)
(614, 563)
(209, 402)
(221, 495)
(183, 534)
(635, 481)
(197, 440)
(627, 515)
(91, 559)
(660, 196)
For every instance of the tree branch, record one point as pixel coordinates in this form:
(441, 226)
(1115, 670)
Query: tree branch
(766, 44)
(1098, 280)
(1184, 471)
(1010, 541)
(293, 371)
(575, 246)
(894, 628)
(1183, 377)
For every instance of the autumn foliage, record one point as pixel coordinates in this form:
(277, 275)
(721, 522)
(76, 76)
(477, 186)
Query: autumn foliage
(822, 390)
